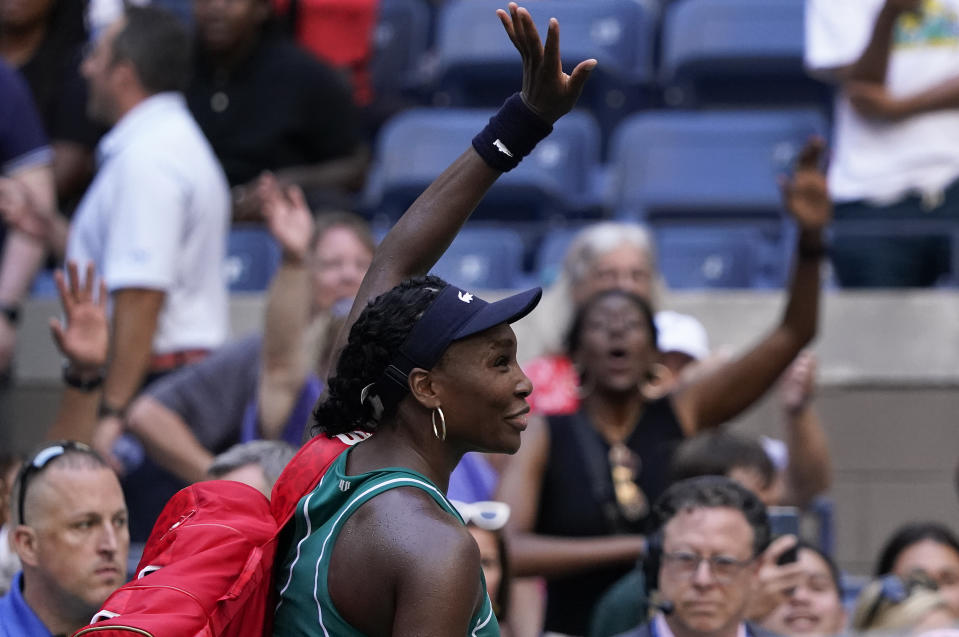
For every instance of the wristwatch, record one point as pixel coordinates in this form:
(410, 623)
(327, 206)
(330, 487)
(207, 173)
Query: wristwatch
(11, 311)
(72, 378)
(111, 411)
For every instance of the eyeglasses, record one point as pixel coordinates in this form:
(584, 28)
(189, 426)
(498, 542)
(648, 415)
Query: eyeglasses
(487, 515)
(723, 567)
(40, 460)
(894, 590)
(625, 466)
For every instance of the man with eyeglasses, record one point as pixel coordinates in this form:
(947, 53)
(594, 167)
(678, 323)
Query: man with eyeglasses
(712, 533)
(69, 528)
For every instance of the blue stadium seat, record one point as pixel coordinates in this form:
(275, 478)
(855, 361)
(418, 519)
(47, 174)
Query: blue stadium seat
(552, 252)
(252, 257)
(414, 147)
(400, 42)
(483, 258)
(477, 64)
(715, 171)
(737, 53)
(717, 257)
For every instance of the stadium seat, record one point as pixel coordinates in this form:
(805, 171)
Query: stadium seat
(737, 53)
(400, 42)
(252, 258)
(414, 147)
(715, 171)
(477, 64)
(551, 253)
(483, 258)
(716, 257)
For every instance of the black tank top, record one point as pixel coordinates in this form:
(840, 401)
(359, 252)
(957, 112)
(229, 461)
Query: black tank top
(577, 496)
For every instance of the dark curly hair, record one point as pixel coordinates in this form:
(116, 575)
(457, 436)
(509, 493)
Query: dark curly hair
(373, 342)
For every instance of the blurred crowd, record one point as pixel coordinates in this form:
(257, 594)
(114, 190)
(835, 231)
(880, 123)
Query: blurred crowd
(134, 137)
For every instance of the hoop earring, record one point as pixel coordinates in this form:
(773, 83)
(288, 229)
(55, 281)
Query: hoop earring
(436, 431)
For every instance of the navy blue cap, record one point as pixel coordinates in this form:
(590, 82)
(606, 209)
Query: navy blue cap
(453, 315)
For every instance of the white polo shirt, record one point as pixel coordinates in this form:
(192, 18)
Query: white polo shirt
(157, 216)
(884, 161)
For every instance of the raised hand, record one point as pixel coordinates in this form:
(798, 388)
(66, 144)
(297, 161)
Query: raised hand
(799, 383)
(805, 193)
(85, 339)
(287, 215)
(546, 88)
(773, 583)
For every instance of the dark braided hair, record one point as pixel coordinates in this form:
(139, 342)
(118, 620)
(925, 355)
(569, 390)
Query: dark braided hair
(373, 342)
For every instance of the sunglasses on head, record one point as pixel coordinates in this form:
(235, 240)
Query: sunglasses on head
(487, 515)
(39, 462)
(895, 590)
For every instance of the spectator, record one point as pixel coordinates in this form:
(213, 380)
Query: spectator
(580, 485)
(895, 62)
(814, 607)
(266, 104)
(715, 521)
(736, 456)
(909, 605)
(154, 221)
(262, 386)
(340, 32)
(9, 563)
(257, 463)
(26, 183)
(43, 39)
(70, 532)
(927, 547)
(485, 521)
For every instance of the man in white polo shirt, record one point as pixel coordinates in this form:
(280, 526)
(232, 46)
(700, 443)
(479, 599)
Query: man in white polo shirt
(156, 217)
(895, 156)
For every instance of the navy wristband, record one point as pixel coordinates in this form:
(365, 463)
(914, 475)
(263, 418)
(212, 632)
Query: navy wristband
(512, 133)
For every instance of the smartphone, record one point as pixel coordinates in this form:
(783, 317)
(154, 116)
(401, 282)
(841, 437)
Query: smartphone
(784, 521)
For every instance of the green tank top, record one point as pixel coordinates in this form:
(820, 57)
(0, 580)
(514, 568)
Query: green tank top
(305, 607)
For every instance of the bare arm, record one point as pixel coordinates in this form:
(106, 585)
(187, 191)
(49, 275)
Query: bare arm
(874, 61)
(344, 172)
(83, 339)
(72, 168)
(809, 472)
(168, 439)
(534, 554)
(424, 231)
(285, 364)
(732, 387)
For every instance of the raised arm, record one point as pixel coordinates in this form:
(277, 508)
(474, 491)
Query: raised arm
(424, 231)
(83, 339)
(285, 361)
(874, 61)
(732, 387)
(809, 471)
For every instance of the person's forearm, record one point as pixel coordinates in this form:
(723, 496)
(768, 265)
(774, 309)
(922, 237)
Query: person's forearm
(135, 316)
(874, 61)
(22, 257)
(343, 172)
(801, 317)
(540, 555)
(284, 367)
(809, 472)
(76, 417)
(168, 440)
(941, 97)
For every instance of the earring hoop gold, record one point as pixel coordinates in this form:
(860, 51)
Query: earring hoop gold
(436, 431)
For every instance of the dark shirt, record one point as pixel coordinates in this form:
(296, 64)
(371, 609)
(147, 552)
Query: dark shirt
(577, 498)
(22, 141)
(280, 108)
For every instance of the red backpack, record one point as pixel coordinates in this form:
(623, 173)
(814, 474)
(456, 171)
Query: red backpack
(207, 567)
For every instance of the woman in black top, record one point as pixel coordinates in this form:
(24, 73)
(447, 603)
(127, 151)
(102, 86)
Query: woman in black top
(580, 486)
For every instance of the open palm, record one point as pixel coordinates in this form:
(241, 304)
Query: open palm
(84, 339)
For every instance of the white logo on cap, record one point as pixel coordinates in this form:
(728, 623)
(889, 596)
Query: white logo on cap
(465, 297)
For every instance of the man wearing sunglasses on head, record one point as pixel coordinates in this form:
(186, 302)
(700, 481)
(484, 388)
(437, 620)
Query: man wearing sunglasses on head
(712, 532)
(69, 528)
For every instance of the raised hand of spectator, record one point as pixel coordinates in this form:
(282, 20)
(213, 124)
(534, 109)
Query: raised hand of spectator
(287, 215)
(84, 338)
(774, 582)
(546, 88)
(798, 383)
(805, 193)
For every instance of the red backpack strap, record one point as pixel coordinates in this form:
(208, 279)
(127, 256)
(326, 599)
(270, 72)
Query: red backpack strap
(304, 471)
